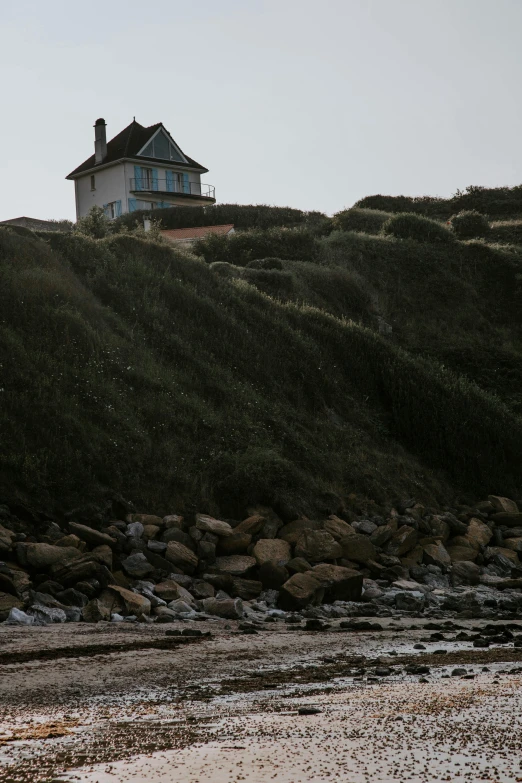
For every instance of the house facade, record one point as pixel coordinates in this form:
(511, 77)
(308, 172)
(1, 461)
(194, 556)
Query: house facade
(140, 168)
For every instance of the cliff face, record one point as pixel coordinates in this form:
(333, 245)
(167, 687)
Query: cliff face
(376, 366)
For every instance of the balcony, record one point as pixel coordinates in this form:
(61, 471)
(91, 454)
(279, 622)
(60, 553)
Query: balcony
(172, 187)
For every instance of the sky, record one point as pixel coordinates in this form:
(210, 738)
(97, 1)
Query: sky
(305, 103)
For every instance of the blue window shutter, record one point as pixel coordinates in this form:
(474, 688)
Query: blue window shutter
(106, 210)
(118, 208)
(132, 205)
(137, 178)
(186, 184)
(170, 181)
(154, 179)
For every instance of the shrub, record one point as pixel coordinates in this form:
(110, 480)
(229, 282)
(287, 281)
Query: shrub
(409, 226)
(470, 224)
(240, 248)
(95, 224)
(265, 263)
(271, 281)
(369, 221)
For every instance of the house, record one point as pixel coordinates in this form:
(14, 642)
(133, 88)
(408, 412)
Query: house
(140, 168)
(187, 236)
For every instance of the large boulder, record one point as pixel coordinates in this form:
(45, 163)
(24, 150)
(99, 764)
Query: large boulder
(235, 544)
(169, 590)
(503, 504)
(338, 528)
(292, 531)
(251, 525)
(301, 590)
(317, 546)
(211, 525)
(247, 589)
(273, 575)
(515, 544)
(134, 603)
(436, 554)
(82, 568)
(478, 534)
(145, 519)
(43, 556)
(383, 534)
(273, 550)
(491, 551)
(182, 557)
(228, 608)
(402, 541)
(236, 565)
(508, 519)
(358, 548)
(439, 528)
(340, 584)
(6, 539)
(90, 535)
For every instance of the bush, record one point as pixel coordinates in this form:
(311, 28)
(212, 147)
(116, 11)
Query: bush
(241, 248)
(409, 226)
(271, 281)
(369, 221)
(470, 224)
(265, 263)
(95, 224)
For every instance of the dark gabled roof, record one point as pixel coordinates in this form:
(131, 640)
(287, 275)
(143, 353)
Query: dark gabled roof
(127, 144)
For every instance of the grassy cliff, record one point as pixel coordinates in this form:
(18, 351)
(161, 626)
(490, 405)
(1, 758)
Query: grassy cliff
(260, 369)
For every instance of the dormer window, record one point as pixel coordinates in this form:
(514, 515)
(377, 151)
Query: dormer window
(162, 147)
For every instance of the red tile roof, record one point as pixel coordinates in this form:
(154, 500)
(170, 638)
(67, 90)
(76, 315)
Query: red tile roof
(175, 234)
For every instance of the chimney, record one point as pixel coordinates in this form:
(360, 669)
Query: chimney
(100, 141)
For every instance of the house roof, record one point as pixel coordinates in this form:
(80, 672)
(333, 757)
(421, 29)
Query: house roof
(127, 144)
(176, 234)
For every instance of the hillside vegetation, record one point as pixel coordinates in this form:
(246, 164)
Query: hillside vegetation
(300, 362)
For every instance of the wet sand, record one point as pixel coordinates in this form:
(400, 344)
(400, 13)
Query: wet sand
(225, 709)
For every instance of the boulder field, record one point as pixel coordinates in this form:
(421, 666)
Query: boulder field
(119, 566)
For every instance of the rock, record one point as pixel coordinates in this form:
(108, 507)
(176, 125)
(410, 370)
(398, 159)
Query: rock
(515, 544)
(172, 520)
(150, 532)
(437, 555)
(439, 528)
(215, 526)
(201, 589)
(414, 557)
(45, 615)
(8, 602)
(251, 525)
(337, 528)
(235, 544)
(491, 551)
(169, 590)
(182, 594)
(134, 530)
(507, 519)
(292, 531)
(70, 540)
(272, 574)
(247, 589)
(157, 547)
(72, 597)
(300, 591)
(340, 584)
(308, 711)
(478, 533)
(94, 612)
(103, 555)
(465, 573)
(358, 548)
(501, 504)
(90, 535)
(272, 550)
(181, 556)
(137, 566)
(6, 539)
(383, 534)
(236, 565)
(365, 526)
(181, 607)
(460, 552)
(410, 601)
(17, 617)
(405, 584)
(207, 552)
(298, 565)
(43, 556)
(458, 672)
(134, 603)
(318, 545)
(175, 534)
(231, 609)
(402, 541)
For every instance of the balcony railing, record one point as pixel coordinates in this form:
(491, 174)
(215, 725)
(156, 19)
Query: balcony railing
(172, 186)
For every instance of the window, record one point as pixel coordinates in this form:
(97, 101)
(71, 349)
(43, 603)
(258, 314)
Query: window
(93, 182)
(161, 147)
(146, 179)
(112, 210)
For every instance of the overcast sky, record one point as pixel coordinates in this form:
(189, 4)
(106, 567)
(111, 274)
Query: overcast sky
(307, 103)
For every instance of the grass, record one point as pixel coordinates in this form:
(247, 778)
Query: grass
(131, 366)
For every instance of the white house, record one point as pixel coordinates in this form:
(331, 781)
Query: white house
(140, 168)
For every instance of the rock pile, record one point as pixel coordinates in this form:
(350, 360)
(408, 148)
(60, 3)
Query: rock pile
(118, 565)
